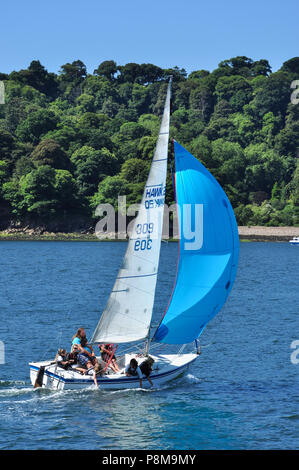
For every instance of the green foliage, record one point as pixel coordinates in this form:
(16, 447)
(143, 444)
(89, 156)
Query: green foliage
(72, 140)
(6, 145)
(4, 172)
(49, 152)
(36, 125)
(135, 170)
(37, 77)
(109, 190)
(91, 166)
(234, 89)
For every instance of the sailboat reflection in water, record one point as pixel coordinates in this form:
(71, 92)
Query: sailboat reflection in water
(206, 270)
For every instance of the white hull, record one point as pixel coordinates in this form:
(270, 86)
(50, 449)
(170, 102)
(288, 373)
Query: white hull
(166, 367)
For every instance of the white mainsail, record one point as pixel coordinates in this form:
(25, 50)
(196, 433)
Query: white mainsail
(128, 313)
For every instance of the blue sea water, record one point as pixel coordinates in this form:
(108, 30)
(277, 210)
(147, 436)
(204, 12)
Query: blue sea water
(242, 392)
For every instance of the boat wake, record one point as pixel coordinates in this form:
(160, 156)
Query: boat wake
(190, 378)
(10, 388)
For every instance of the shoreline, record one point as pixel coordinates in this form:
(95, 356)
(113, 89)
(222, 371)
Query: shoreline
(257, 233)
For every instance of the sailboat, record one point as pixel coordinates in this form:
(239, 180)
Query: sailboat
(208, 250)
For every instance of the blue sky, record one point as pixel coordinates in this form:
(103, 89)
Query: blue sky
(190, 34)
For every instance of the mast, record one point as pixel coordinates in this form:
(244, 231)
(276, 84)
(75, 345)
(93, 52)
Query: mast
(127, 315)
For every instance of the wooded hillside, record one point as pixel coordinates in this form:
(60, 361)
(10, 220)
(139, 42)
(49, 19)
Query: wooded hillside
(72, 140)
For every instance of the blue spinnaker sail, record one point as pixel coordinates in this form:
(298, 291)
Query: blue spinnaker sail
(208, 252)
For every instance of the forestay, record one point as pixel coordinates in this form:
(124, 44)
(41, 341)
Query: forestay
(128, 313)
(208, 252)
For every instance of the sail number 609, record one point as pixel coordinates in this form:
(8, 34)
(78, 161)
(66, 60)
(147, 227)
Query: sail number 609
(143, 244)
(145, 228)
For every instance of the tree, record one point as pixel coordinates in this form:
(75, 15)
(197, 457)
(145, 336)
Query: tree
(260, 67)
(23, 166)
(201, 147)
(86, 138)
(37, 189)
(142, 74)
(235, 89)
(150, 122)
(132, 131)
(6, 145)
(140, 99)
(244, 66)
(273, 95)
(86, 102)
(73, 73)
(237, 65)
(291, 66)
(90, 120)
(15, 112)
(44, 194)
(36, 125)
(71, 79)
(294, 188)
(271, 124)
(243, 214)
(11, 194)
(178, 74)
(66, 191)
(198, 75)
(134, 170)
(107, 69)
(4, 172)
(221, 128)
(202, 100)
(37, 77)
(146, 147)
(129, 72)
(66, 136)
(150, 73)
(108, 191)
(92, 166)
(48, 152)
(287, 141)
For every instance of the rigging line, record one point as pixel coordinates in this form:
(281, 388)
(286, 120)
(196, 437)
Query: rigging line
(139, 289)
(111, 354)
(136, 320)
(139, 275)
(143, 259)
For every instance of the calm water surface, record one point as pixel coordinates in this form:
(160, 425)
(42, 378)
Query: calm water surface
(242, 393)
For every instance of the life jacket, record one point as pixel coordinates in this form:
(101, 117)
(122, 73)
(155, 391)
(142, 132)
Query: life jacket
(72, 356)
(68, 359)
(132, 371)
